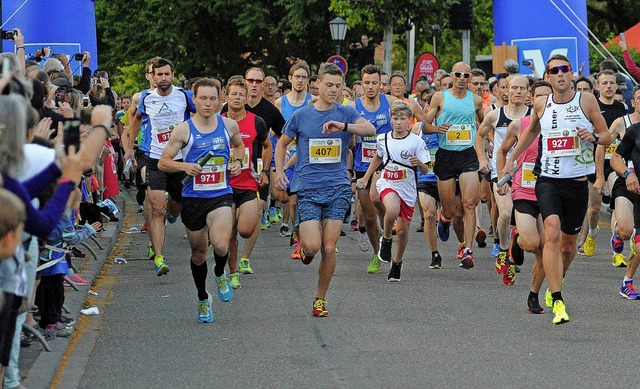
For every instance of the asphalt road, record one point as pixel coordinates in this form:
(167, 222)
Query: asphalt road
(436, 328)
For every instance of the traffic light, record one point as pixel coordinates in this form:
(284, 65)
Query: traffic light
(461, 15)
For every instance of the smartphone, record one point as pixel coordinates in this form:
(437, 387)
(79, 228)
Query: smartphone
(71, 134)
(61, 96)
(85, 101)
(622, 38)
(78, 57)
(526, 63)
(8, 34)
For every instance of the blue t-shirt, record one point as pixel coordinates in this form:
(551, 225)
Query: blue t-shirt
(365, 148)
(322, 158)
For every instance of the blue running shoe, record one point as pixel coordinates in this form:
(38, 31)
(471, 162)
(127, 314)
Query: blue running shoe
(264, 224)
(205, 314)
(628, 291)
(617, 244)
(225, 292)
(443, 229)
(496, 250)
(273, 215)
(170, 218)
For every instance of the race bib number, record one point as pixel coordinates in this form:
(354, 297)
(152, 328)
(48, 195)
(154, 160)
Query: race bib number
(611, 149)
(562, 143)
(212, 177)
(164, 134)
(325, 150)
(368, 151)
(459, 135)
(528, 178)
(395, 173)
(245, 160)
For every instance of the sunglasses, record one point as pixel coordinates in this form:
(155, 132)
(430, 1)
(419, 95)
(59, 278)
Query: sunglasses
(477, 83)
(462, 74)
(558, 69)
(254, 81)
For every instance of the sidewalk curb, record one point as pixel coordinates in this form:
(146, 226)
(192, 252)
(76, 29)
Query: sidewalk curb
(45, 367)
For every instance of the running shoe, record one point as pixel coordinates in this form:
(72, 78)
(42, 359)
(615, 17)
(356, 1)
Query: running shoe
(580, 250)
(273, 215)
(443, 229)
(460, 251)
(60, 330)
(502, 267)
(510, 277)
(467, 259)
(436, 261)
(320, 308)
(279, 213)
(420, 227)
(394, 272)
(617, 244)
(496, 250)
(264, 224)
(225, 292)
(234, 280)
(393, 229)
(560, 312)
(590, 244)
(374, 265)
(144, 227)
(205, 314)
(342, 233)
(76, 279)
(245, 266)
(548, 299)
(140, 209)
(363, 241)
(296, 253)
(151, 254)
(306, 259)
(534, 305)
(481, 237)
(385, 249)
(285, 230)
(170, 218)
(354, 225)
(628, 291)
(618, 260)
(515, 251)
(490, 232)
(67, 321)
(161, 267)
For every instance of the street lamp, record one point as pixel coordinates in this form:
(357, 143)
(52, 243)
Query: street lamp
(338, 27)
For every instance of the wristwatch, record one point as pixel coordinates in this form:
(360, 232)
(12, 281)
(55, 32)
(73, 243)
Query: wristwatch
(239, 160)
(596, 138)
(626, 173)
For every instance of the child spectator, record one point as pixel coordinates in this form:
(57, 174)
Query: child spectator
(50, 294)
(11, 223)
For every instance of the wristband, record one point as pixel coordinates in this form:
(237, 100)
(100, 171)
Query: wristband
(238, 160)
(265, 171)
(19, 47)
(106, 130)
(346, 126)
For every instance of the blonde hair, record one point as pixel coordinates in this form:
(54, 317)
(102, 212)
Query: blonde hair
(400, 107)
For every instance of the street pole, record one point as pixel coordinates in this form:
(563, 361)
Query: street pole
(466, 46)
(411, 43)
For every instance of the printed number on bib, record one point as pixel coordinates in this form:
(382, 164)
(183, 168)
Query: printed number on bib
(459, 135)
(528, 178)
(245, 160)
(212, 177)
(432, 155)
(368, 151)
(611, 149)
(164, 134)
(395, 173)
(325, 150)
(562, 143)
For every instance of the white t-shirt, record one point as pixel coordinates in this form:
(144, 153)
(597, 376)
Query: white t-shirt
(398, 173)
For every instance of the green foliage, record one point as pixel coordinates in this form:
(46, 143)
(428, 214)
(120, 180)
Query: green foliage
(595, 58)
(129, 79)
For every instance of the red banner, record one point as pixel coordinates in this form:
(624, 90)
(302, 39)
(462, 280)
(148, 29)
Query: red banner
(426, 65)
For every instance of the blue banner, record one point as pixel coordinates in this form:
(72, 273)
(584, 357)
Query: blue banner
(540, 30)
